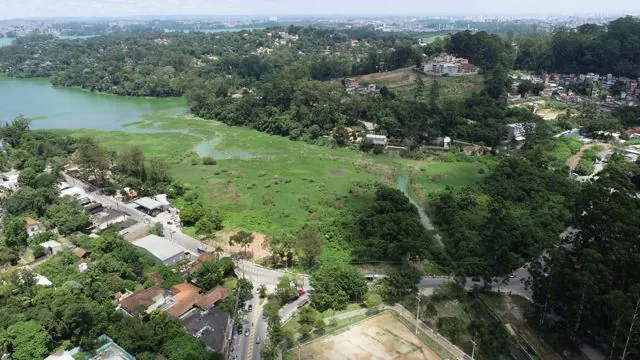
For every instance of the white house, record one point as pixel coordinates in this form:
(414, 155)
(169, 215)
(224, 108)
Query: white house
(377, 139)
(32, 226)
(515, 131)
(163, 249)
(52, 247)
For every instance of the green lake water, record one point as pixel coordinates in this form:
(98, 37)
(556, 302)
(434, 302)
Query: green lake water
(65, 108)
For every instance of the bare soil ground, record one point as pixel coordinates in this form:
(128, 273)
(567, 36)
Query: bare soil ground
(381, 337)
(256, 251)
(391, 79)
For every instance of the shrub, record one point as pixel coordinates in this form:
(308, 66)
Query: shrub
(208, 160)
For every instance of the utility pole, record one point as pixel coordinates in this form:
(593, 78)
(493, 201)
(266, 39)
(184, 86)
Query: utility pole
(473, 351)
(417, 313)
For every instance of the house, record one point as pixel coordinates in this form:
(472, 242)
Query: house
(110, 351)
(93, 208)
(187, 296)
(52, 247)
(369, 127)
(377, 139)
(149, 206)
(202, 258)
(515, 132)
(32, 226)
(475, 150)
(162, 249)
(132, 230)
(209, 326)
(106, 218)
(9, 181)
(143, 301)
(449, 65)
(63, 355)
(76, 193)
(82, 253)
(351, 82)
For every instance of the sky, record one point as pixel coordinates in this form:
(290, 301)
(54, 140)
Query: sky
(10, 9)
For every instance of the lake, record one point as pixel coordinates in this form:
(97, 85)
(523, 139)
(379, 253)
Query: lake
(68, 108)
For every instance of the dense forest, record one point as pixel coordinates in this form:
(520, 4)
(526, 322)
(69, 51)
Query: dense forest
(613, 48)
(166, 64)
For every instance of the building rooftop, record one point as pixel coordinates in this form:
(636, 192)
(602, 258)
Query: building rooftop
(148, 203)
(209, 326)
(111, 351)
(141, 301)
(51, 244)
(160, 247)
(187, 296)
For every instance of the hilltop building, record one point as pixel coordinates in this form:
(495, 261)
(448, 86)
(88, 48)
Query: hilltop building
(449, 65)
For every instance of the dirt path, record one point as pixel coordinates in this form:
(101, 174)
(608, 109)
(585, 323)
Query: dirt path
(573, 161)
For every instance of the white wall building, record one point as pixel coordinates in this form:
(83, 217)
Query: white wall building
(163, 249)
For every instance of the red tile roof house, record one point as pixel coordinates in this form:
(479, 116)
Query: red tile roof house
(179, 301)
(188, 296)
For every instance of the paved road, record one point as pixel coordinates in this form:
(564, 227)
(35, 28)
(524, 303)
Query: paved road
(171, 231)
(516, 285)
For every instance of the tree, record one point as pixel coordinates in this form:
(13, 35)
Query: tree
(373, 301)
(241, 238)
(29, 340)
(12, 132)
(525, 87)
(130, 162)
(158, 171)
(309, 242)
(68, 217)
(212, 273)
(335, 285)
(93, 160)
(15, 232)
(340, 135)
(263, 291)
(191, 213)
(398, 283)
(497, 82)
(284, 291)
(434, 95)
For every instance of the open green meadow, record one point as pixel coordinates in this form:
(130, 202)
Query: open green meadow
(268, 183)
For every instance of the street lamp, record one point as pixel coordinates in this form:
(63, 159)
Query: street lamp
(417, 313)
(473, 351)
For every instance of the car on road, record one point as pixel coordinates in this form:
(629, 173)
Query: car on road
(246, 332)
(258, 340)
(250, 308)
(475, 279)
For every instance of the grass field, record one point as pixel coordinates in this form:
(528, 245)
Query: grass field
(266, 183)
(402, 81)
(380, 337)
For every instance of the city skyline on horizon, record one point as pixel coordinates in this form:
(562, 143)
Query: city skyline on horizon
(49, 9)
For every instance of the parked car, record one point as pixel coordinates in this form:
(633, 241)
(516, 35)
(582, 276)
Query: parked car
(475, 279)
(239, 329)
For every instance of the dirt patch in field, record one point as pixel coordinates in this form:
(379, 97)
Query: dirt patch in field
(256, 251)
(391, 79)
(381, 337)
(338, 172)
(220, 192)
